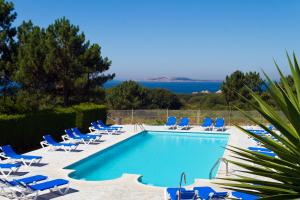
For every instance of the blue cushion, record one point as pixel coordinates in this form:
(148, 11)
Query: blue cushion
(188, 194)
(9, 165)
(204, 193)
(242, 195)
(28, 180)
(48, 185)
(173, 192)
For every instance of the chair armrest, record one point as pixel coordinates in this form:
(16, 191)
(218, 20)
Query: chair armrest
(44, 144)
(2, 155)
(65, 137)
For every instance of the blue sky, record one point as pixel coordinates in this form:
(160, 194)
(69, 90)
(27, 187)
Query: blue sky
(203, 39)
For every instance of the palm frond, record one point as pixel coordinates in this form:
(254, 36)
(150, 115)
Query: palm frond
(272, 177)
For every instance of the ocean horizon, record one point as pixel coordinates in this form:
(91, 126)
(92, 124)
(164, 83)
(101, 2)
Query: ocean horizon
(175, 87)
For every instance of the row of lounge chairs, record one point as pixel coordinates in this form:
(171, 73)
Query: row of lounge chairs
(75, 136)
(205, 193)
(29, 187)
(207, 124)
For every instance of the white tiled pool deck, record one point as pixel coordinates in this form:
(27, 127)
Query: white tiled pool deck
(125, 187)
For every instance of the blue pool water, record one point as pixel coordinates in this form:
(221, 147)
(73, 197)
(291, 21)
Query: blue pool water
(159, 156)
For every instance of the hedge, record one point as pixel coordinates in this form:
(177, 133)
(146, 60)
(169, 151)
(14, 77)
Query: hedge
(24, 132)
(87, 113)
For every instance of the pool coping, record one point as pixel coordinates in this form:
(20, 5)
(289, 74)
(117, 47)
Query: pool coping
(138, 176)
(127, 184)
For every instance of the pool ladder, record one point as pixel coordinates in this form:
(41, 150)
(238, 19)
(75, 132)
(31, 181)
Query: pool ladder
(139, 126)
(224, 160)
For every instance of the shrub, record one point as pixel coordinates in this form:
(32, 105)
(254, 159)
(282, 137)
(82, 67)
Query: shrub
(24, 132)
(88, 112)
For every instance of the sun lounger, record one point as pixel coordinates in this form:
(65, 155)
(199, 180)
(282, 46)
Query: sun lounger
(49, 141)
(244, 196)
(32, 191)
(219, 124)
(71, 136)
(96, 137)
(206, 193)
(183, 123)
(259, 149)
(96, 128)
(173, 194)
(267, 153)
(261, 131)
(7, 168)
(171, 122)
(9, 188)
(207, 123)
(101, 124)
(8, 152)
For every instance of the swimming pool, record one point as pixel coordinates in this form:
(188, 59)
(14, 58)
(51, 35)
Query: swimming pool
(159, 157)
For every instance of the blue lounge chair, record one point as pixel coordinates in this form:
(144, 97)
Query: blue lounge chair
(259, 149)
(244, 196)
(7, 168)
(173, 194)
(96, 137)
(207, 123)
(101, 124)
(261, 131)
(27, 160)
(9, 189)
(267, 153)
(49, 141)
(183, 123)
(206, 193)
(96, 128)
(71, 136)
(28, 180)
(171, 122)
(219, 124)
(32, 191)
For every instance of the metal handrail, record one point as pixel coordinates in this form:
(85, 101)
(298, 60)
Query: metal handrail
(216, 164)
(182, 176)
(139, 125)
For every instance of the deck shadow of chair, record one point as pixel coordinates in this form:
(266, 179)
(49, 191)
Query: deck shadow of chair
(73, 150)
(18, 173)
(39, 164)
(53, 195)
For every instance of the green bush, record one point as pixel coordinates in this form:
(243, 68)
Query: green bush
(87, 113)
(24, 132)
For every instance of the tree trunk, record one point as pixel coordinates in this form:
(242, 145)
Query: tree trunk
(66, 93)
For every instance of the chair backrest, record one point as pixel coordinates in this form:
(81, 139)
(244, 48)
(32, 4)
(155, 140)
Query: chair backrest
(219, 122)
(70, 133)
(25, 186)
(187, 195)
(8, 150)
(207, 121)
(49, 139)
(171, 120)
(100, 122)
(184, 121)
(77, 131)
(271, 127)
(95, 125)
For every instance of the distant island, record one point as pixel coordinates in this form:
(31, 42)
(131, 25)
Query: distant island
(177, 79)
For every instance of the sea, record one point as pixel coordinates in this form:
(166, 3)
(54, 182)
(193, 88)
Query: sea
(176, 87)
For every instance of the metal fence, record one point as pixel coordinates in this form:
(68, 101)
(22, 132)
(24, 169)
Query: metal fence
(158, 117)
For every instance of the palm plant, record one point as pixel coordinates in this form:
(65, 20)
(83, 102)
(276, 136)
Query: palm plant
(273, 177)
